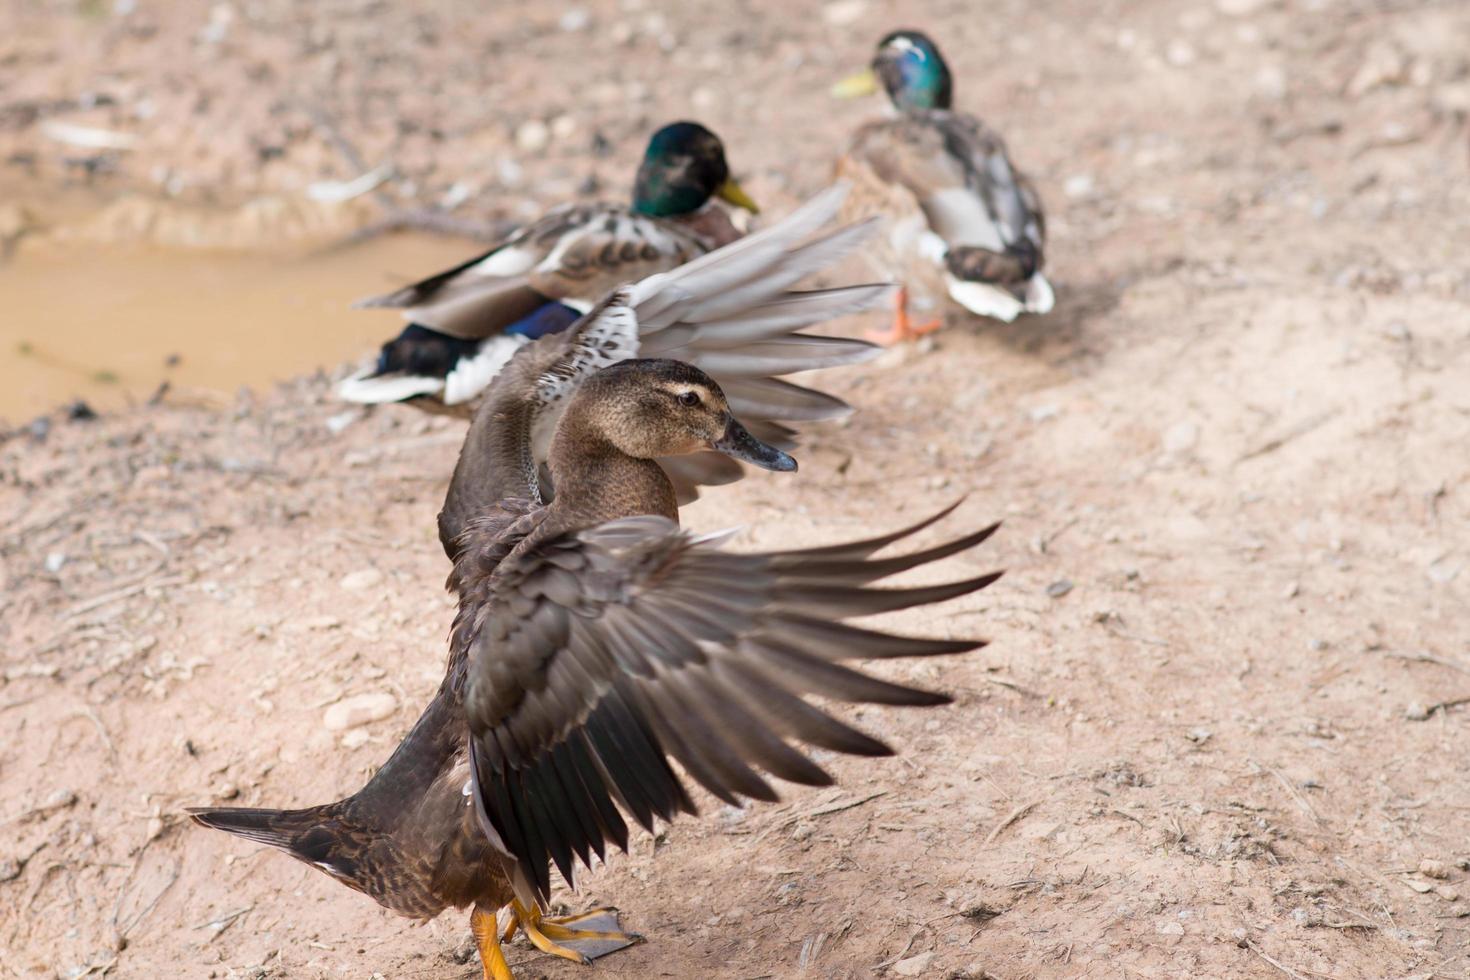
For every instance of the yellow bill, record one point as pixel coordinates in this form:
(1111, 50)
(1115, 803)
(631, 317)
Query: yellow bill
(863, 83)
(730, 191)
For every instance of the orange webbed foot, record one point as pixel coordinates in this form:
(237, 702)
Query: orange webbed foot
(903, 328)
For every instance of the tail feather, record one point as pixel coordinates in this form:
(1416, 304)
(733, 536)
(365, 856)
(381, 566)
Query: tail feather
(278, 828)
(314, 835)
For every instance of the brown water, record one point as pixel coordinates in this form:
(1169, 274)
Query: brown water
(108, 324)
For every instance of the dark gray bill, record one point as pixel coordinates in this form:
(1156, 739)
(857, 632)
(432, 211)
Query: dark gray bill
(738, 443)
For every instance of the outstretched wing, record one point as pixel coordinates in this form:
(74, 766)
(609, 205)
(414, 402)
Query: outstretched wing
(732, 313)
(593, 660)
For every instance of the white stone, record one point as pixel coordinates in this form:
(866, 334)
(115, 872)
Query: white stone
(1180, 437)
(1079, 186)
(914, 966)
(363, 578)
(840, 13)
(1270, 81)
(358, 710)
(532, 136)
(1240, 8)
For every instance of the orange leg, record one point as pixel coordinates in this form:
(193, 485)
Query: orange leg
(492, 960)
(903, 328)
(544, 933)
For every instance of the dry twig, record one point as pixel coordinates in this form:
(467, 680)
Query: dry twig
(1011, 818)
(1295, 432)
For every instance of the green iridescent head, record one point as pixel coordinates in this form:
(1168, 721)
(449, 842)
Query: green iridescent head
(911, 70)
(683, 167)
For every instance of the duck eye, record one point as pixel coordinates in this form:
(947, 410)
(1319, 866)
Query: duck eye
(688, 399)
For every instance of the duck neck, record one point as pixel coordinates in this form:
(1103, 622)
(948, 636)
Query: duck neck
(711, 224)
(597, 482)
(495, 462)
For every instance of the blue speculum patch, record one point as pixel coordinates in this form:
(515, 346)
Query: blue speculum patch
(553, 317)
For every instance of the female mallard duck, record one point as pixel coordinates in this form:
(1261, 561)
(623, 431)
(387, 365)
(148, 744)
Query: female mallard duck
(465, 323)
(595, 640)
(964, 220)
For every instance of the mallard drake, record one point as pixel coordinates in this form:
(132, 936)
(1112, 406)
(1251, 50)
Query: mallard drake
(595, 640)
(466, 322)
(963, 219)
(594, 643)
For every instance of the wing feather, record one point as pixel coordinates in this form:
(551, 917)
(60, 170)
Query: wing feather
(600, 655)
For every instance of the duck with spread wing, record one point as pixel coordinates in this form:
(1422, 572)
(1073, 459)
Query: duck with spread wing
(597, 644)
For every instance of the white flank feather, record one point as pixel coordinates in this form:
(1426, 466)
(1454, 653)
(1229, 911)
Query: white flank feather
(984, 299)
(1039, 297)
(471, 375)
(365, 390)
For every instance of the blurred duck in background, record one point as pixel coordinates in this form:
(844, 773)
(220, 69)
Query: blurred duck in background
(466, 322)
(961, 219)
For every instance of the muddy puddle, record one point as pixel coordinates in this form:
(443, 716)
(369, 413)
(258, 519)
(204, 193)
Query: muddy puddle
(108, 323)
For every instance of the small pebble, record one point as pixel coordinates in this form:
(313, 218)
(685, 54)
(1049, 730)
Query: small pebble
(54, 561)
(1430, 868)
(80, 411)
(359, 710)
(914, 966)
(1180, 53)
(841, 13)
(363, 578)
(576, 19)
(532, 136)
(1180, 437)
(1059, 588)
(1079, 186)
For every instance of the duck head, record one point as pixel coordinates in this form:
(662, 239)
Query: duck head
(911, 70)
(683, 167)
(651, 408)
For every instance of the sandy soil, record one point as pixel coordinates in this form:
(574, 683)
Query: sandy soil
(1219, 731)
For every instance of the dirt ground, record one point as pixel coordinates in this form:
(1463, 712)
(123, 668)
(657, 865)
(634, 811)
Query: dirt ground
(1221, 729)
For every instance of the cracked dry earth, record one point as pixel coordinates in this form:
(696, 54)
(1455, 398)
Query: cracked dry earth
(1219, 730)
